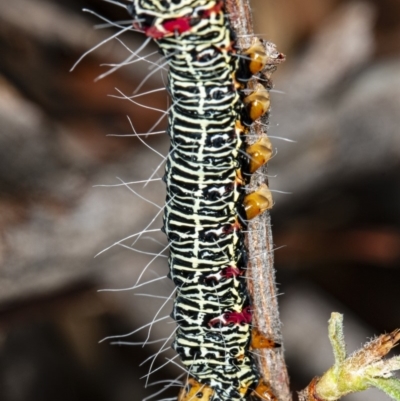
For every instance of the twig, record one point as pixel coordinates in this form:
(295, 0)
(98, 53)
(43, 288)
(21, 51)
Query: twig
(262, 286)
(361, 370)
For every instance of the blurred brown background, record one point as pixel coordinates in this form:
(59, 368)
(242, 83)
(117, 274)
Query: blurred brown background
(337, 232)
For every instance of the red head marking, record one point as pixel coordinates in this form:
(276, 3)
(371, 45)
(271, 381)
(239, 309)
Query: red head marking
(178, 25)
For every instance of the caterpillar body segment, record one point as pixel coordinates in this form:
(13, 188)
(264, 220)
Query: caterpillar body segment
(258, 103)
(259, 341)
(261, 56)
(195, 391)
(263, 392)
(259, 153)
(258, 202)
(206, 210)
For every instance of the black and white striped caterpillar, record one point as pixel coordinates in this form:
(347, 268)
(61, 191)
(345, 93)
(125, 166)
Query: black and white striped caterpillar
(207, 169)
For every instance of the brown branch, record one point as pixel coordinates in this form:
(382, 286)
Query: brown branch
(261, 273)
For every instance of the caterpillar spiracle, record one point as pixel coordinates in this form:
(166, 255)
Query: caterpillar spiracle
(207, 208)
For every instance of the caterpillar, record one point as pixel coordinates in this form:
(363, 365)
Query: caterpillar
(207, 208)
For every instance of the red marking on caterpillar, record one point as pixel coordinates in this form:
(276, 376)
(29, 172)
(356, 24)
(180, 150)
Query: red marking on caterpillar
(239, 318)
(231, 271)
(228, 272)
(176, 26)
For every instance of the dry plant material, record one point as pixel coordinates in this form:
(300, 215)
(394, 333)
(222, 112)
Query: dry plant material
(363, 369)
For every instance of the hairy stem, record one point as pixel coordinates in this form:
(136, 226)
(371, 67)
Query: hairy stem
(261, 273)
